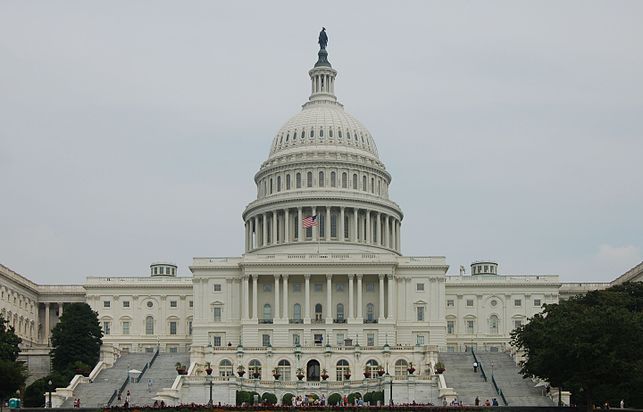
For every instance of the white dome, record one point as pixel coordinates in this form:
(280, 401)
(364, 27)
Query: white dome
(321, 124)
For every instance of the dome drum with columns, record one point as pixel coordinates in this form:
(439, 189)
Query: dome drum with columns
(323, 162)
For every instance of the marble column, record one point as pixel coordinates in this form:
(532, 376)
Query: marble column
(255, 285)
(391, 297)
(351, 295)
(264, 230)
(315, 229)
(327, 225)
(359, 296)
(387, 233)
(340, 235)
(60, 309)
(398, 237)
(355, 226)
(47, 328)
(285, 299)
(307, 299)
(381, 304)
(300, 230)
(287, 226)
(329, 300)
(277, 302)
(368, 227)
(255, 243)
(275, 228)
(379, 229)
(244, 297)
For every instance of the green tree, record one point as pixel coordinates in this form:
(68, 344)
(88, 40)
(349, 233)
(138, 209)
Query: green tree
(33, 396)
(590, 345)
(76, 338)
(12, 373)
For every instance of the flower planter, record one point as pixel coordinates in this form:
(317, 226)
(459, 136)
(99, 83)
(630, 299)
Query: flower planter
(256, 375)
(276, 376)
(380, 372)
(324, 377)
(241, 373)
(411, 370)
(208, 371)
(439, 371)
(347, 376)
(367, 375)
(181, 371)
(300, 376)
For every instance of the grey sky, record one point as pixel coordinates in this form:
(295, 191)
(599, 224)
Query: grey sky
(130, 131)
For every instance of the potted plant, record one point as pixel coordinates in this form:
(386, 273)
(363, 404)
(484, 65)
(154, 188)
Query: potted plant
(275, 373)
(439, 367)
(181, 369)
(81, 368)
(241, 371)
(255, 373)
(380, 370)
(208, 368)
(367, 372)
(300, 373)
(410, 369)
(324, 374)
(347, 374)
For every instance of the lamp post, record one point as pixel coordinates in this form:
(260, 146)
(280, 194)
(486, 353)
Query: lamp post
(49, 401)
(210, 383)
(492, 369)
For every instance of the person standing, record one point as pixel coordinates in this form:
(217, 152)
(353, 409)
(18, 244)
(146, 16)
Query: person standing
(475, 366)
(477, 401)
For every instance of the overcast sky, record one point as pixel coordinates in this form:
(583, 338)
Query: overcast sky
(130, 131)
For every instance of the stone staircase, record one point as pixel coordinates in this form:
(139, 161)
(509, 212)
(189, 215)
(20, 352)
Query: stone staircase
(98, 392)
(162, 373)
(460, 376)
(517, 390)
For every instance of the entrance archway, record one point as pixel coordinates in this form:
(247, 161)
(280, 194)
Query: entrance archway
(312, 370)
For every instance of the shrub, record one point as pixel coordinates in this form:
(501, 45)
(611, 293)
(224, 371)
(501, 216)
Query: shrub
(334, 399)
(353, 396)
(269, 398)
(286, 400)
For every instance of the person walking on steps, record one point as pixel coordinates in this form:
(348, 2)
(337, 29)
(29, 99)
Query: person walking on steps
(475, 366)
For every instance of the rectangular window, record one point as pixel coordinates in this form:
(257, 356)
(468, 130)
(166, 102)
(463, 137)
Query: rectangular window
(173, 304)
(174, 349)
(216, 341)
(339, 287)
(370, 286)
(190, 327)
(318, 338)
(370, 339)
(126, 303)
(107, 304)
(126, 328)
(537, 302)
(296, 339)
(450, 303)
(296, 287)
(517, 302)
(217, 314)
(106, 328)
(517, 324)
(420, 313)
(265, 340)
(191, 303)
(340, 339)
(333, 226)
(217, 287)
(267, 287)
(470, 326)
(419, 287)
(450, 327)
(469, 302)
(419, 340)
(319, 287)
(172, 328)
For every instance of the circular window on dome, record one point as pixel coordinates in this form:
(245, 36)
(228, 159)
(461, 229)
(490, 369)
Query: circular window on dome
(494, 302)
(150, 304)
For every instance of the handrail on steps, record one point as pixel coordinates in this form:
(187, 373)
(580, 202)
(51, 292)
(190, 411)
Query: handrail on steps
(493, 379)
(484, 375)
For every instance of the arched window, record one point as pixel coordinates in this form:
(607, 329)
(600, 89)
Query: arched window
(333, 225)
(312, 133)
(401, 368)
(297, 311)
(340, 133)
(330, 133)
(340, 312)
(283, 368)
(294, 135)
(493, 324)
(370, 310)
(149, 325)
(344, 180)
(321, 179)
(309, 179)
(288, 182)
(355, 181)
(372, 185)
(318, 311)
(371, 368)
(267, 312)
(333, 179)
(254, 367)
(298, 180)
(271, 185)
(364, 183)
(225, 368)
(278, 183)
(342, 369)
(321, 132)
(379, 192)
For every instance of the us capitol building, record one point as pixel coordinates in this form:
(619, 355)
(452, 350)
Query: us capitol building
(322, 287)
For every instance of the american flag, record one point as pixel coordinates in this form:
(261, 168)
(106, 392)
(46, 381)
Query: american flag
(310, 221)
